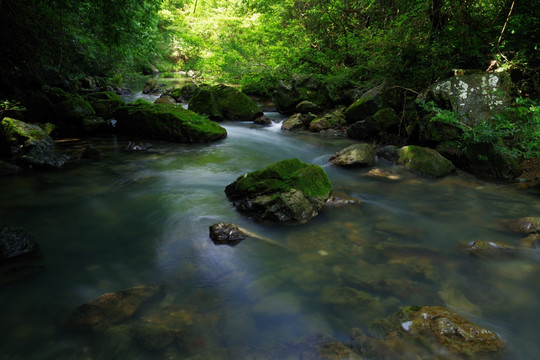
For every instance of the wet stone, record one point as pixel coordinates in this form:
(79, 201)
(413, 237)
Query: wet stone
(492, 248)
(525, 225)
(226, 234)
(111, 308)
(154, 336)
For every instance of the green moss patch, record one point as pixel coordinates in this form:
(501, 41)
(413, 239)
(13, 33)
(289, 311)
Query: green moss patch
(167, 122)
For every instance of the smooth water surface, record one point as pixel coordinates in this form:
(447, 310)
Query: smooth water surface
(138, 218)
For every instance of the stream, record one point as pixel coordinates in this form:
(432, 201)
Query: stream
(142, 217)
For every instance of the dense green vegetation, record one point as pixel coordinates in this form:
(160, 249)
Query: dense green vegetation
(410, 43)
(256, 43)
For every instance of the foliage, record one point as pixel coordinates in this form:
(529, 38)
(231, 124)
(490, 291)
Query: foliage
(73, 37)
(10, 105)
(514, 132)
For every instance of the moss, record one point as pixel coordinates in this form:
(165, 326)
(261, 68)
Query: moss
(18, 132)
(424, 160)
(167, 122)
(105, 103)
(360, 109)
(284, 176)
(386, 119)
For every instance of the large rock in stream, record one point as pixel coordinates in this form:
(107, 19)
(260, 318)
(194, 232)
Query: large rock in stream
(357, 155)
(424, 160)
(28, 145)
(288, 191)
(166, 122)
(223, 102)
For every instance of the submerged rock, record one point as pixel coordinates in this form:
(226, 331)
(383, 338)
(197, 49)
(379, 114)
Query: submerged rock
(228, 234)
(19, 254)
(153, 336)
(492, 248)
(111, 308)
(424, 160)
(525, 225)
(384, 174)
(288, 191)
(358, 155)
(166, 122)
(424, 331)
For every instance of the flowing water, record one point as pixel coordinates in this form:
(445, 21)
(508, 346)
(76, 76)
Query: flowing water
(142, 217)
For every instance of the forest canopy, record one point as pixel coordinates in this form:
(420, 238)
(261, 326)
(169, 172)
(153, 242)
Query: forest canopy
(351, 42)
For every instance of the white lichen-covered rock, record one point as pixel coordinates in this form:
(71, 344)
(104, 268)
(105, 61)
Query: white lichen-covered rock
(476, 96)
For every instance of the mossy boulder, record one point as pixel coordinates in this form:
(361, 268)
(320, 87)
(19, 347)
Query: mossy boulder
(357, 155)
(435, 132)
(490, 161)
(73, 108)
(386, 119)
(288, 191)
(166, 122)
(363, 130)
(424, 160)
(301, 87)
(185, 93)
(360, 109)
(28, 145)
(223, 102)
(294, 123)
(333, 120)
(476, 97)
(426, 332)
(105, 103)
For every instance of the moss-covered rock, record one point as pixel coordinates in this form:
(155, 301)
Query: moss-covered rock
(28, 145)
(363, 130)
(435, 132)
(355, 155)
(333, 120)
(475, 96)
(105, 103)
(185, 93)
(153, 336)
(386, 119)
(166, 122)
(427, 332)
(294, 123)
(490, 161)
(222, 102)
(111, 308)
(288, 191)
(360, 109)
(301, 87)
(424, 160)
(73, 108)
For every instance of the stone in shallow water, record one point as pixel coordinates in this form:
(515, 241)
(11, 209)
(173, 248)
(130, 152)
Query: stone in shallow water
(422, 332)
(288, 191)
(228, 234)
(357, 155)
(111, 308)
(525, 225)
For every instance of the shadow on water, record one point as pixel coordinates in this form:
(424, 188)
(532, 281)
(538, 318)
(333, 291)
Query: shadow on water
(142, 218)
